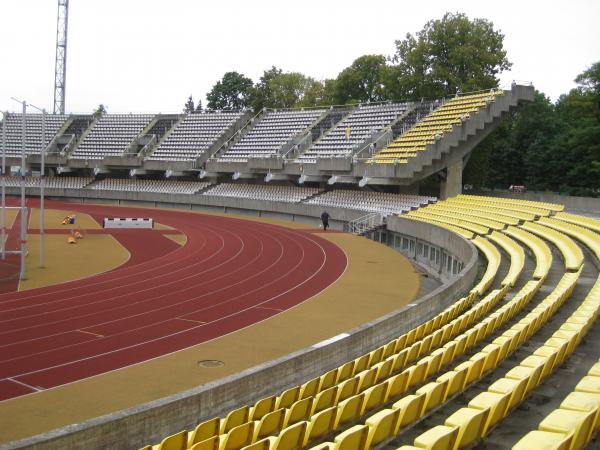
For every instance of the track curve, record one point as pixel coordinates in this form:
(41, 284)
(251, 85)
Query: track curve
(230, 274)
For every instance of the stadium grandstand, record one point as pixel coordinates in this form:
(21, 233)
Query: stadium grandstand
(461, 322)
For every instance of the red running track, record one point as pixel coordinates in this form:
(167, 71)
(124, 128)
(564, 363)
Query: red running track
(230, 274)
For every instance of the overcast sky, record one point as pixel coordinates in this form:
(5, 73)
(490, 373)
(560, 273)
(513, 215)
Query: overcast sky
(150, 55)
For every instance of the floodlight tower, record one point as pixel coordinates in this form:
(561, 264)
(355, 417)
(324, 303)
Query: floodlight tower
(60, 65)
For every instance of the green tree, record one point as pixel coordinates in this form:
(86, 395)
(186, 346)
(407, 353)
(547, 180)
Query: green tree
(198, 107)
(100, 110)
(362, 81)
(289, 89)
(233, 92)
(448, 55)
(189, 105)
(261, 95)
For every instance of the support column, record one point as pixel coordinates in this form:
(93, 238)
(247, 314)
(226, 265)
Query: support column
(452, 185)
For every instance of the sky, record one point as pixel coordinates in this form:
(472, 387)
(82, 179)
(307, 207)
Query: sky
(149, 55)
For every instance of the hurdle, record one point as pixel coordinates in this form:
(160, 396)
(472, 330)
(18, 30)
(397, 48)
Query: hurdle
(116, 222)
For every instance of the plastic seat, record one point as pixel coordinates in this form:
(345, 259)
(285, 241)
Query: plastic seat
(212, 443)
(470, 422)
(497, 405)
(589, 384)
(235, 418)
(516, 389)
(397, 385)
(325, 399)
(204, 430)
(440, 437)
(578, 423)
(583, 401)
(237, 437)
(383, 425)
(270, 423)
(544, 440)
(410, 408)
(434, 394)
(301, 410)
(375, 396)
(348, 388)
(310, 388)
(321, 424)
(290, 438)
(177, 441)
(349, 409)
(263, 407)
(355, 438)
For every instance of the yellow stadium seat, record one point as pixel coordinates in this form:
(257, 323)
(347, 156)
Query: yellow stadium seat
(345, 371)
(177, 441)
(470, 423)
(589, 384)
(301, 410)
(290, 438)
(204, 430)
(288, 397)
(532, 375)
(310, 388)
(366, 379)
(516, 389)
(321, 424)
(237, 437)
(350, 409)
(496, 403)
(383, 425)
(325, 399)
(375, 396)
(329, 379)
(578, 423)
(235, 418)
(434, 394)
(354, 438)
(397, 385)
(263, 444)
(583, 401)
(270, 424)
(544, 440)
(348, 388)
(263, 407)
(212, 443)
(440, 437)
(410, 408)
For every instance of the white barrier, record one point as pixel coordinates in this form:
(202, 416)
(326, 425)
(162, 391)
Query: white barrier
(115, 222)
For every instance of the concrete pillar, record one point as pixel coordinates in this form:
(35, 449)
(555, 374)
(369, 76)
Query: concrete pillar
(452, 185)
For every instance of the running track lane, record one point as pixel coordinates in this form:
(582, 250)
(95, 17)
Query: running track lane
(230, 274)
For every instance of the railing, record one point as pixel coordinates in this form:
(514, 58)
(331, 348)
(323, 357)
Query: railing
(364, 224)
(236, 135)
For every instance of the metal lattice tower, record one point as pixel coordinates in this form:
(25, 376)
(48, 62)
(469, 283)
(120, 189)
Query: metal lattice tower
(60, 65)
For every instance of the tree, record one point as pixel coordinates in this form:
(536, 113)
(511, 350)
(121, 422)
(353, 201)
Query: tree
(233, 92)
(362, 81)
(189, 105)
(100, 111)
(198, 107)
(289, 89)
(448, 55)
(261, 95)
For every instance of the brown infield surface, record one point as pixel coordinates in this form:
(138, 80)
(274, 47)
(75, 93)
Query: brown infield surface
(376, 281)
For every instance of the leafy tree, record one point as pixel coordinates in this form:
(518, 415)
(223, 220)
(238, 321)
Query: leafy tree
(262, 96)
(189, 105)
(288, 89)
(362, 81)
(233, 92)
(100, 111)
(448, 55)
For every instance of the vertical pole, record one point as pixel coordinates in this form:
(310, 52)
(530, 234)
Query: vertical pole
(3, 208)
(42, 180)
(23, 208)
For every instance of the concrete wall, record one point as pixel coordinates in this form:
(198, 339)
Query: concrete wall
(147, 423)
